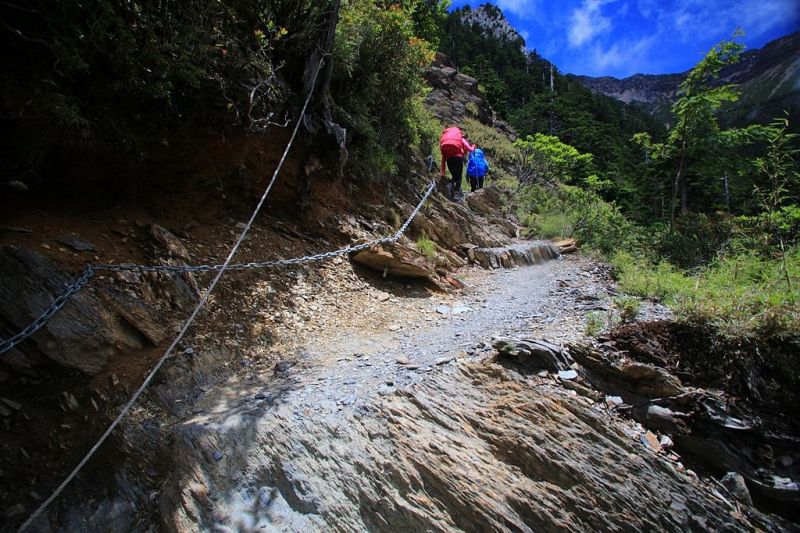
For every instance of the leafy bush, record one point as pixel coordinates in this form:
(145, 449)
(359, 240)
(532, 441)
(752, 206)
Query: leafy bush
(379, 86)
(569, 211)
(112, 75)
(694, 239)
(627, 307)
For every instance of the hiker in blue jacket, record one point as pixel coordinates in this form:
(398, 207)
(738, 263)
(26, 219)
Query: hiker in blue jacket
(477, 167)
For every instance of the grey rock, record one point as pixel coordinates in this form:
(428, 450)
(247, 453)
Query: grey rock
(443, 310)
(76, 244)
(87, 332)
(532, 355)
(734, 482)
(217, 455)
(11, 403)
(567, 374)
(613, 401)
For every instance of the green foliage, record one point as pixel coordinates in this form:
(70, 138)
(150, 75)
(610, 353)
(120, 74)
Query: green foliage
(569, 211)
(379, 85)
(426, 247)
(688, 165)
(628, 308)
(545, 159)
(779, 167)
(595, 322)
(742, 294)
(89, 88)
(693, 240)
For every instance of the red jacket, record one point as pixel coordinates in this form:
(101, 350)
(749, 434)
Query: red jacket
(453, 144)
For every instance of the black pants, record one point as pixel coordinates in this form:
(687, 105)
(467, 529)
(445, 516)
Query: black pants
(475, 183)
(456, 166)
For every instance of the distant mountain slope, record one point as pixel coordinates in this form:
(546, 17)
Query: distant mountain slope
(768, 79)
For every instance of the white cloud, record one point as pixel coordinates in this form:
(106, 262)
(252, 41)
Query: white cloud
(693, 20)
(524, 9)
(587, 22)
(633, 56)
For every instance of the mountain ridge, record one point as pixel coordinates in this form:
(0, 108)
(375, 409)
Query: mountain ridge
(768, 79)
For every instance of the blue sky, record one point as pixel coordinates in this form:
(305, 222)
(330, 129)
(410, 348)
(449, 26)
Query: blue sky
(623, 37)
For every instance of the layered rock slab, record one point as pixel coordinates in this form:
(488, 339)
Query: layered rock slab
(472, 447)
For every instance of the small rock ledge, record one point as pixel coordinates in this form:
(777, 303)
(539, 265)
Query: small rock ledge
(521, 254)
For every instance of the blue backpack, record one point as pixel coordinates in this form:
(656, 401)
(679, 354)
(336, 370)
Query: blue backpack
(477, 167)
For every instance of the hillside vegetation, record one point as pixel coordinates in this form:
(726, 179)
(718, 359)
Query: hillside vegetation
(701, 216)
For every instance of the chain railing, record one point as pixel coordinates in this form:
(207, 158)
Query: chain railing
(91, 270)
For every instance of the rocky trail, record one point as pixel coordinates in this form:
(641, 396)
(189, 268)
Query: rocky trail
(411, 424)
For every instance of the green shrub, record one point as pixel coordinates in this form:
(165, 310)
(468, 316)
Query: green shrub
(569, 211)
(379, 59)
(628, 308)
(694, 239)
(595, 322)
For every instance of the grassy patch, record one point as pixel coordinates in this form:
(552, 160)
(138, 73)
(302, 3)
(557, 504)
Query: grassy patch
(741, 295)
(426, 247)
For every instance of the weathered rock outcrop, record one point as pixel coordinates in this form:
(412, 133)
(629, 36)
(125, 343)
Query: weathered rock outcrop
(84, 335)
(100, 322)
(519, 254)
(532, 355)
(471, 447)
(455, 96)
(397, 259)
(703, 423)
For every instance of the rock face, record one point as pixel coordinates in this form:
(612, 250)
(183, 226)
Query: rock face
(96, 325)
(470, 448)
(532, 355)
(493, 22)
(455, 96)
(704, 424)
(82, 335)
(452, 224)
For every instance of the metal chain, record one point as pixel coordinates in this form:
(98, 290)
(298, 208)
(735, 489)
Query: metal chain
(57, 304)
(61, 300)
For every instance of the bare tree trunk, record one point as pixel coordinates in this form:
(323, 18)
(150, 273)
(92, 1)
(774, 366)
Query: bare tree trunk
(684, 197)
(676, 185)
(321, 52)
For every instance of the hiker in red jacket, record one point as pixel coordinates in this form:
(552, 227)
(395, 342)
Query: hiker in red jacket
(453, 146)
